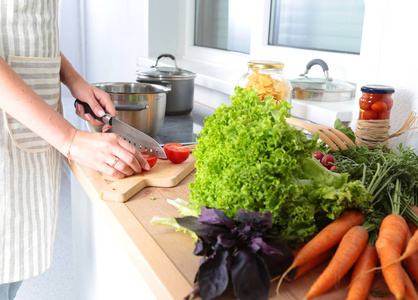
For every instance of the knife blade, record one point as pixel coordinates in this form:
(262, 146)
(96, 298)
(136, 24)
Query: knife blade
(141, 141)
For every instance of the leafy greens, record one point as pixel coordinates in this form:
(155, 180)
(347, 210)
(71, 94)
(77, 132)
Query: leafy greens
(248, 157)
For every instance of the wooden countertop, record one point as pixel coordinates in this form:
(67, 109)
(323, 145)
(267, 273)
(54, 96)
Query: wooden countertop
(165, 257)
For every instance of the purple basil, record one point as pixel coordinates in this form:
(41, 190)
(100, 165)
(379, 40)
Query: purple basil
(241, 251)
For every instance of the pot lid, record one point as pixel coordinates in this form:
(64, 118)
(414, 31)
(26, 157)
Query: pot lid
(323, 84)
(326, 83)
(166, 72)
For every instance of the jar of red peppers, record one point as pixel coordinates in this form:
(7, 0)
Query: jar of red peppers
(376, 102)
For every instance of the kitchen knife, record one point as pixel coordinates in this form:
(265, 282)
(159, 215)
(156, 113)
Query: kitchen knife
(141, 141)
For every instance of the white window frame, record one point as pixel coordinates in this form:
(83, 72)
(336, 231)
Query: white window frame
(220, 70)
(342, 66)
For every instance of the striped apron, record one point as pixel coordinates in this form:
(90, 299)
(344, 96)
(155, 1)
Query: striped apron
(30, 169)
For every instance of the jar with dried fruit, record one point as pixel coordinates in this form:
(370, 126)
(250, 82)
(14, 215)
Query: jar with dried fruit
(267, 78)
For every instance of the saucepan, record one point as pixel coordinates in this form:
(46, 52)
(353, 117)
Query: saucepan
(140, 105)
(181, 82)
(321, 89)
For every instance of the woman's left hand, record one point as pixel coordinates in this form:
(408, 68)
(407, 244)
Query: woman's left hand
(98, 100)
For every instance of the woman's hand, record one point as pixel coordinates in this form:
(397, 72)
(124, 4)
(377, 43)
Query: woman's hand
(107, 153)
(98, 100)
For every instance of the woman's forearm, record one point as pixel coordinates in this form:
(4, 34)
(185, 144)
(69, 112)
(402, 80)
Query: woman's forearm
(21, 102)
(69, 76)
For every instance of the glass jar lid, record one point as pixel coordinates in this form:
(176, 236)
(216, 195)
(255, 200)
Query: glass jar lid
(377, 89)
(265, 64)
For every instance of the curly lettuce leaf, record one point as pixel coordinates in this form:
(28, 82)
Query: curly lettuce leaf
(249, 157)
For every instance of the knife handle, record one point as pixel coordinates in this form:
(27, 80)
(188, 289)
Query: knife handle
(88, 109)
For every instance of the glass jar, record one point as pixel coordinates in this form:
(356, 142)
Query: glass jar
(376, 102)
(267, 78)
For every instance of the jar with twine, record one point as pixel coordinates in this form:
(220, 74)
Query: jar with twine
(374, 118)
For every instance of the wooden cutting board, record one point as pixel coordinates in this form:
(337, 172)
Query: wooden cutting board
(163, 174)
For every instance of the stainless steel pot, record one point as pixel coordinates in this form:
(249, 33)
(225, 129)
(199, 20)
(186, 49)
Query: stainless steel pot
(140, 105)
(321, 89)
(181, 82)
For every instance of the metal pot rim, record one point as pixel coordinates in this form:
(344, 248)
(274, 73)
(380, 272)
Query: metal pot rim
(131, 88)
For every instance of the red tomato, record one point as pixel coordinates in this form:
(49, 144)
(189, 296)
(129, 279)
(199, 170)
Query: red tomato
(368, 115)
(150, 159)
(365, 104)
(384, 115)
(389, 102)
(176, 152)
(379, 106)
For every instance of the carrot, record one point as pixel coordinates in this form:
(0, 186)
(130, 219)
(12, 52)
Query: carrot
(410, 292)
(348, 251)
(412, 227)
(327, 238)
(411, 248)
(361, 280)
(411, 263)
(306, 267)
(389, 245)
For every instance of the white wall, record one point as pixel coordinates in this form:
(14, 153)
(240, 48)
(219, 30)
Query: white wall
(70, 25)
(116, 32)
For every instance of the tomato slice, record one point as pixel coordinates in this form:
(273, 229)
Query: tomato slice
(176, 152)
(150, 159)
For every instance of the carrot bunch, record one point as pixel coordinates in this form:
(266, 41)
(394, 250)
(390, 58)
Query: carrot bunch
(391, 178)
(394, 247)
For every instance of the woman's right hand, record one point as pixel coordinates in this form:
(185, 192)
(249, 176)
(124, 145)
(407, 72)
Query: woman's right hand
(100, 151)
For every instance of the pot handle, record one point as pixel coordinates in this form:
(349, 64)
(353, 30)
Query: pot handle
(169, 56)
(131, 107)
(319, 62)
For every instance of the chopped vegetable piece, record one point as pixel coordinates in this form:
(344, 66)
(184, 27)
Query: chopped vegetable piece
(150, 159)
(176, 152)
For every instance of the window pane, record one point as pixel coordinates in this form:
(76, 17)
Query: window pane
(333, 25)
(223, 24)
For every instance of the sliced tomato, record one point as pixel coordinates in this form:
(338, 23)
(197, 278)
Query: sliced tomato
(176, 152)
(150, 159)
